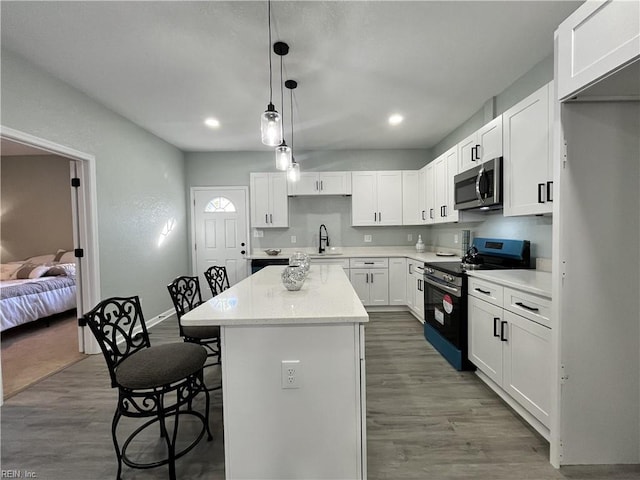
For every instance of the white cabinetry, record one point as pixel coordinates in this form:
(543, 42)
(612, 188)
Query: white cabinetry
(370, 280)
(445, 167)
(397, 281)
(429, 200)
(595, 41)
(269, 202)
(321, 183)
(510, 343)
(482, 145)
(415, 288)
(377, 198)
(412, 207)
(528, 158)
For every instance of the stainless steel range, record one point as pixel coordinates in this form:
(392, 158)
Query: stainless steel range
(445, 295)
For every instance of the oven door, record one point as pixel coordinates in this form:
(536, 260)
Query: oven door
(445, 309)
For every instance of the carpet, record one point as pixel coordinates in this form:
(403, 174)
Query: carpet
(32, 352)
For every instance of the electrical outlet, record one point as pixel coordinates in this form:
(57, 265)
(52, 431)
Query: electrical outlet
(290, 375)
(455, 238)
(258, 233)
(409, 237)
(293, 239)
(367, 238)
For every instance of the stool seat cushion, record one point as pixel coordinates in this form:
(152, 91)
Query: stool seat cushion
(201, 332)
(160, 365)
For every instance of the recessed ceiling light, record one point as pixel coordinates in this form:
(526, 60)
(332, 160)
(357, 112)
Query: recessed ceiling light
(212, 122)
(395, 119)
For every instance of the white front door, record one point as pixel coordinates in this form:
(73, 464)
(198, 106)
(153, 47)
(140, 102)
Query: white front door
(220, 231)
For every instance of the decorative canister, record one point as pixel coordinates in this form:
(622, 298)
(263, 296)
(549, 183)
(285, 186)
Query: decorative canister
(293, 277)
(301, 259)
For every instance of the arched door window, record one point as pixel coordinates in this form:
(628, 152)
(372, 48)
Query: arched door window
(220, 205)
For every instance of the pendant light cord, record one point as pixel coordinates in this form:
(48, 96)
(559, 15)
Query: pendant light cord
(291, 120)
(282, 99)
(270, 75)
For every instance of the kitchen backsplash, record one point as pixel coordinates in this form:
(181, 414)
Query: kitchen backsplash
(306, 214)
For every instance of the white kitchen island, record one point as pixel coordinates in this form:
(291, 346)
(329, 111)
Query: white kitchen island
(293, 376)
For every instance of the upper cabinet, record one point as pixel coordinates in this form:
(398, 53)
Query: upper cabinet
(484, 144)
(321, 183)
(269, 202)
(428, 198)
(528, 158)
(377, 198)
(445, 167)
(596, 40)
(412, 209)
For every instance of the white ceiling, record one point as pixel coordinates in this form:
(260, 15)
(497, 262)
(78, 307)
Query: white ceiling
(168, 65)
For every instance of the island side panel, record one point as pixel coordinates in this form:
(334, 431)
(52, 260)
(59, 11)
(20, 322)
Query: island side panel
(312, 432)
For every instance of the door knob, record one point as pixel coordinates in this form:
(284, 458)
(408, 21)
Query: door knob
(242, 244)
(242, 252)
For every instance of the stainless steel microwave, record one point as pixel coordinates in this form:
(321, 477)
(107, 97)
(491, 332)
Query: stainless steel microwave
(480, 187)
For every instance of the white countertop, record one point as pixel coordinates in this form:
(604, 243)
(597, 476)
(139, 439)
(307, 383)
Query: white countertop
(261, 299)
(532, 281)
(352, 252)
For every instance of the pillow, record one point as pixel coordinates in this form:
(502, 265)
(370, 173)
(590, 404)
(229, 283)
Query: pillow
(40, 259)
(31, 270)
(67, 257)
(68, 269)
(8, 269)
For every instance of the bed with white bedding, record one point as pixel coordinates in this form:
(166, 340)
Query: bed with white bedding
(36, 288)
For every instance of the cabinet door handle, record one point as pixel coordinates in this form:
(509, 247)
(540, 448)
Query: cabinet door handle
(486, 292)
(473, 153)
(503, 324)
(423, 215)
(372, 278)
(527, 307)
(271, 217)
(431, 213)
(266, 218)
(379, 216)
(550, 191)
(375, 217)
(316, 184)
(495, 326)
(410, 269)
(478, 147)
(321, 185)
(540, 192)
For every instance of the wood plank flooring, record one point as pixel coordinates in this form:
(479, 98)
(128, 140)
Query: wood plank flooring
(424, 421)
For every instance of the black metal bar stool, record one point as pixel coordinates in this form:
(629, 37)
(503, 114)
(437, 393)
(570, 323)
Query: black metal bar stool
(157, 382)
(185, 294)
(217, 279)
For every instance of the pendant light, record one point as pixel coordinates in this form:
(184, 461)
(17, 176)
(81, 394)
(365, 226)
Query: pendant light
(283, 152)
(270, 121)
(293, 170)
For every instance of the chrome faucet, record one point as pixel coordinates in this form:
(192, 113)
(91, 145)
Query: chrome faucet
(321, 238)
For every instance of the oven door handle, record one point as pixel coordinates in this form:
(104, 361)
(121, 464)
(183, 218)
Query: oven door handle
(455, 291)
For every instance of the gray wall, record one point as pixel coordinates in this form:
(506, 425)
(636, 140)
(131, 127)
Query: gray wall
(140, 180)
(306, 214)
(536, 229)
(36, 206)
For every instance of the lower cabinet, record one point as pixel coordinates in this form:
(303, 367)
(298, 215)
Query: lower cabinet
(511, 350)
(370, 280)
(397, 281)
(415, 288)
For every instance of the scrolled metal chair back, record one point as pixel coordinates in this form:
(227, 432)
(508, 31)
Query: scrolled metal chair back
(118, 325)
(217, 279)
(185, 294)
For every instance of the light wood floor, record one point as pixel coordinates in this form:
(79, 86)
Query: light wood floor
(424, 421)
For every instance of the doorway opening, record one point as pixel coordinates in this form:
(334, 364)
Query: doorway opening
(49, 339)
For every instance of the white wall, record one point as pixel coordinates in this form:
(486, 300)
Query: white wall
(140, 180)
